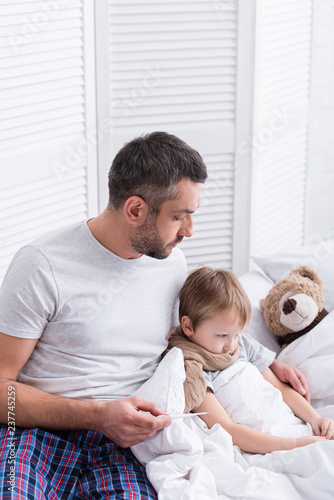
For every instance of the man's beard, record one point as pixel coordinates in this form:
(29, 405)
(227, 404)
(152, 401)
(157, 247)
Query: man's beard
(146, 240)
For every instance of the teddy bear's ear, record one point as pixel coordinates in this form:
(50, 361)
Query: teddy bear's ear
(307, 272)
(262, 304)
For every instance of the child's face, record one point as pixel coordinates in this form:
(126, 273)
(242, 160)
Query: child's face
(218, 334)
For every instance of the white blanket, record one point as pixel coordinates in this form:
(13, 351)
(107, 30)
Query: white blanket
(188, 461)
(313, 354)
(250, 400)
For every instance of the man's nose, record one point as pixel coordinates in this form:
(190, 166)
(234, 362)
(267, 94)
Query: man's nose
(187, 227)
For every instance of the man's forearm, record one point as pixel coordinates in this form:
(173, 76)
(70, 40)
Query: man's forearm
(31, 407)
(125, 421)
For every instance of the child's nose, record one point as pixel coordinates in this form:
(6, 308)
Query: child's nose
(229, 345)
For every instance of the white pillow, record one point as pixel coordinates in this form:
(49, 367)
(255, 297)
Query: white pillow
(165, 387)
(319, 256)
(257, 286)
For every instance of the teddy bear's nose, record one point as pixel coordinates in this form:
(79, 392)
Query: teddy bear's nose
(289, 306)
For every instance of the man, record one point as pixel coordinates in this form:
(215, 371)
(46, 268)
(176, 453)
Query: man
(84, 316)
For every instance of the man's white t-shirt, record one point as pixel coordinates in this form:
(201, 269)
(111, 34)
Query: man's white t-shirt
(102, 321)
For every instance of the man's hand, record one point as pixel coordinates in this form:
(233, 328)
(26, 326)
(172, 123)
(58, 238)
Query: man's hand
(291, 375)
(323, 427)
(124, 422)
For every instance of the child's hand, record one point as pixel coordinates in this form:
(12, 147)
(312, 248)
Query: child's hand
(305, 440)
(323, 427)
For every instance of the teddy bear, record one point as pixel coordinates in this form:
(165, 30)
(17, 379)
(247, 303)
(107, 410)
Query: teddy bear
(294, 305)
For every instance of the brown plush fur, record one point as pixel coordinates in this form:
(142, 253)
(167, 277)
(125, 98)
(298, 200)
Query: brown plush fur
(303, 279)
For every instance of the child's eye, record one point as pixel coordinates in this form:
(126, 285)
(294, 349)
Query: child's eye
(222, 335)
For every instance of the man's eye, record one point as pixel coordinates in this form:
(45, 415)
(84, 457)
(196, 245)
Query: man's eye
(179, 218)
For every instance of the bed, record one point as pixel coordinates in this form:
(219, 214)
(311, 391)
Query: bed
(189, 461)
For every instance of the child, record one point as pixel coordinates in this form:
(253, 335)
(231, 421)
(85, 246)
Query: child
(214, 310)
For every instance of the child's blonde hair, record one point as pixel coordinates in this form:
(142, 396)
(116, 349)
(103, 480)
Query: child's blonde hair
(208, 291)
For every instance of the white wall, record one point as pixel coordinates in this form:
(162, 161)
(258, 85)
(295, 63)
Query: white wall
(320, 202)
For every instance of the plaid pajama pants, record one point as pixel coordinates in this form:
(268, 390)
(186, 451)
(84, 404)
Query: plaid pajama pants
(72, 465)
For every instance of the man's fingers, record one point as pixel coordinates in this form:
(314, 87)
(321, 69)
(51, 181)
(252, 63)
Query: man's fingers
(298, 382)
(142, 404)
(304, 387)
(127, 441)
(149, 418)
(142, 429)
(131, 420)
(150, 422)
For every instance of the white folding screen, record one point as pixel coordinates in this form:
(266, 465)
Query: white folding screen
(172, 66)
(319, 216)
(79, 78)
(45, 90)
(279, 145)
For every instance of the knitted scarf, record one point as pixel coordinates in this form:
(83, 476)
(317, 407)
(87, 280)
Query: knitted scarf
(197, 359)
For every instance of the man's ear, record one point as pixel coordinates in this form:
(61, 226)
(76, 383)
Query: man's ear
(135, 210)
(187, 326)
